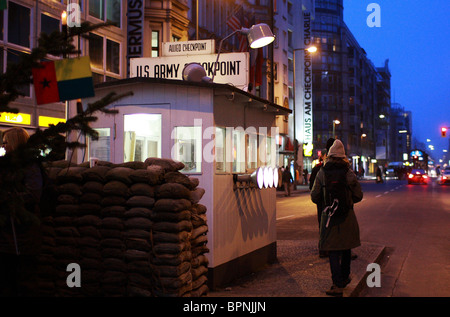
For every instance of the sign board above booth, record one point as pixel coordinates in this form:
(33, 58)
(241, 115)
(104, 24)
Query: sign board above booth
(232, 68)
(200, 47)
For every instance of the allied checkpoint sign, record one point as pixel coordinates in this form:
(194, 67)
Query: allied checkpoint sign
(232, 68)
(198, 47)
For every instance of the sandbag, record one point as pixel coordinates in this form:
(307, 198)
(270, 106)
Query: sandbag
(168, 165)
(115, 188)
(171, 205)
(172, 190)
(121, 174)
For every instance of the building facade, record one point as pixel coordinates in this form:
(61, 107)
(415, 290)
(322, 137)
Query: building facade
(345, 86)
(383, 148)
(108, 47)
(400, 123)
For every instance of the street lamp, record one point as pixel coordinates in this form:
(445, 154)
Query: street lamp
(335, 121)
(259, 35)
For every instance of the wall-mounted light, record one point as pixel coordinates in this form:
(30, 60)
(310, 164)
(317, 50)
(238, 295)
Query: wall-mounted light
(258, 35)
(262, 177)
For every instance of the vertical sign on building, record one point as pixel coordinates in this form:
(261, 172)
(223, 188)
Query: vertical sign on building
(135, 30)
(307, 79)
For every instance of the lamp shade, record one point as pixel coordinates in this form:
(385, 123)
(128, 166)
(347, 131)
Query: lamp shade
(260, 35)
(275, 177)
(260, 177)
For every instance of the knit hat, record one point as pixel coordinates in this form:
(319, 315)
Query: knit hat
(337, 150)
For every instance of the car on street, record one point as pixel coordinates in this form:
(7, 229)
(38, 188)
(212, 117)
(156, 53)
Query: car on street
(444, 178)
(418, 176)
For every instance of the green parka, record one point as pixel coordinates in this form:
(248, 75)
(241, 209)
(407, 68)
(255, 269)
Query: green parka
(342, 232)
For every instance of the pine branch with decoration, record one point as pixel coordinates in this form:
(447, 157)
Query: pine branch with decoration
(51, 140)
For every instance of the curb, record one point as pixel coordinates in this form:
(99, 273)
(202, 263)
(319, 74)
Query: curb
(355, 288)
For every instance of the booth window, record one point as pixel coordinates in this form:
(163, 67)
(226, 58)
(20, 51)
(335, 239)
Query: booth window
(238, 151)
(219, 150)
(101, 148)
(142, 137)
(188, 148)
(252, 151)
(270, 151)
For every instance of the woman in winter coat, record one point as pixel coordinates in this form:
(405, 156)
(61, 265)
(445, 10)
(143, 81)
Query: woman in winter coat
(20, 235)
(342, 233)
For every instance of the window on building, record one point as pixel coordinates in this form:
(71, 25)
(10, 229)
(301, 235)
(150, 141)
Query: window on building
(96, 50)
(142, 137)
(112, 56)
(105, 57)
(106, 10)
(18, 24)
(155, 43)
(80, 2)
(49, 24)
(13, 57)
(188, 148)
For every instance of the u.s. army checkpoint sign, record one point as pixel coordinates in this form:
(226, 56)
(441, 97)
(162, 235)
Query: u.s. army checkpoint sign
(232, 68)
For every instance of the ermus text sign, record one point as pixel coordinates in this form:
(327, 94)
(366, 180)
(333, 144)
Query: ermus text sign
(135, 29)
(201, 47)
(232, 68)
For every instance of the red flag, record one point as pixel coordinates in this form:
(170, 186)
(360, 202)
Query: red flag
(234, 22)
(45, 83)
(243, 42)
(256, 66)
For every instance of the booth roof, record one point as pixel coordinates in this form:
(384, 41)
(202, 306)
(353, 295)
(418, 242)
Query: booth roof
(272, 107)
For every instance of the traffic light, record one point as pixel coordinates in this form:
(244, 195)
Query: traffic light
(443, 131)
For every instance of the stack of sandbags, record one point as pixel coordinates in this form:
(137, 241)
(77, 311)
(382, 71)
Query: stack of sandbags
(171, 252)
(199, 260)
(46, 260)
(115, 196)
(138, 226)
(135, 229)
(198, 239)
(66, 251)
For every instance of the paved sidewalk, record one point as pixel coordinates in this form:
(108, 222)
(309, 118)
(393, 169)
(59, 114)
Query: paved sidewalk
(299, 272)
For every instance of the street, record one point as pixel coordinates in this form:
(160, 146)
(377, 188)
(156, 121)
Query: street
(411, 221)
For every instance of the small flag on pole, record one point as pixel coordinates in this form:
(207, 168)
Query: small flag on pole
(64, 79)
(3, 4)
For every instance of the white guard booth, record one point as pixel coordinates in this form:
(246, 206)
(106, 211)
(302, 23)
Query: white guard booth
(218, 131)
